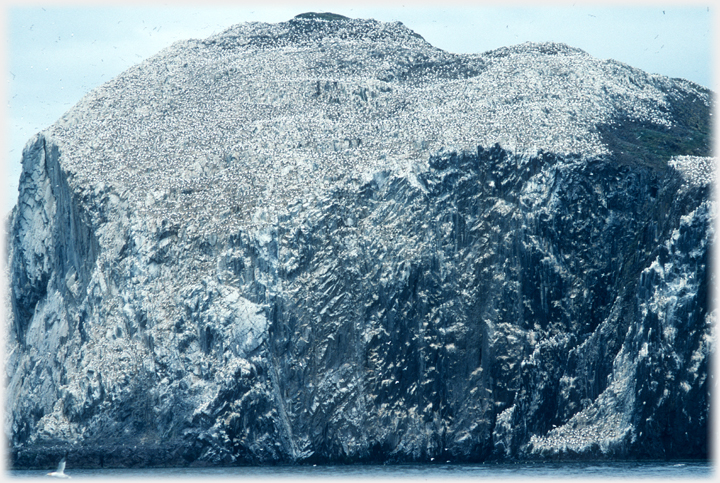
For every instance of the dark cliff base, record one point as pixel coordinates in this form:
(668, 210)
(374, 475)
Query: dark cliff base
(539, 342)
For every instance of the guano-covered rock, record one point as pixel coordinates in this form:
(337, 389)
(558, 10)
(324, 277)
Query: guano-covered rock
(326, 240)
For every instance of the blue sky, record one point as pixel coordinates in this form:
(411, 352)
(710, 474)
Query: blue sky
(56, 54)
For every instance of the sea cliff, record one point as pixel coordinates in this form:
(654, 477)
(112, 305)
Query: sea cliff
(327, 241)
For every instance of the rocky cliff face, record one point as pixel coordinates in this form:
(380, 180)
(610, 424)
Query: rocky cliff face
(328, 241)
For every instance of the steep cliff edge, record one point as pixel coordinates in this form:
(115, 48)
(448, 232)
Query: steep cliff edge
(327, 241)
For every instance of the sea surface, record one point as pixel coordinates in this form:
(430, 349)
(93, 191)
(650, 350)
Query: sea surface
(522, 472)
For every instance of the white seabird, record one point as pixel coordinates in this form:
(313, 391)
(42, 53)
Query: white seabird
(60, 473)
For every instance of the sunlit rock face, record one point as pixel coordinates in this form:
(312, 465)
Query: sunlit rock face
(326, 240)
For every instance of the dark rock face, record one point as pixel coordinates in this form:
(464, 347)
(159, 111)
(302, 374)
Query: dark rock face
(493, 303)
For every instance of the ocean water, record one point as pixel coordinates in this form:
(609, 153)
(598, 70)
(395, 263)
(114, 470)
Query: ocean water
(665, 471)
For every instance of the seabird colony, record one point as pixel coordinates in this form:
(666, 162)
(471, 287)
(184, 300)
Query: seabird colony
(250, 127)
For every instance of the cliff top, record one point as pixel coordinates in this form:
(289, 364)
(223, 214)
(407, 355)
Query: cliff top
(251, 120)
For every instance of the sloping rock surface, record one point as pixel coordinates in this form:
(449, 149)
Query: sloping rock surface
(326, 240)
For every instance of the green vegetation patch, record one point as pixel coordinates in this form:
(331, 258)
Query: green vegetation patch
(639, 142)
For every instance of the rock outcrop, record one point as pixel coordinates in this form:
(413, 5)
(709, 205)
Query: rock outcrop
(328, 241)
